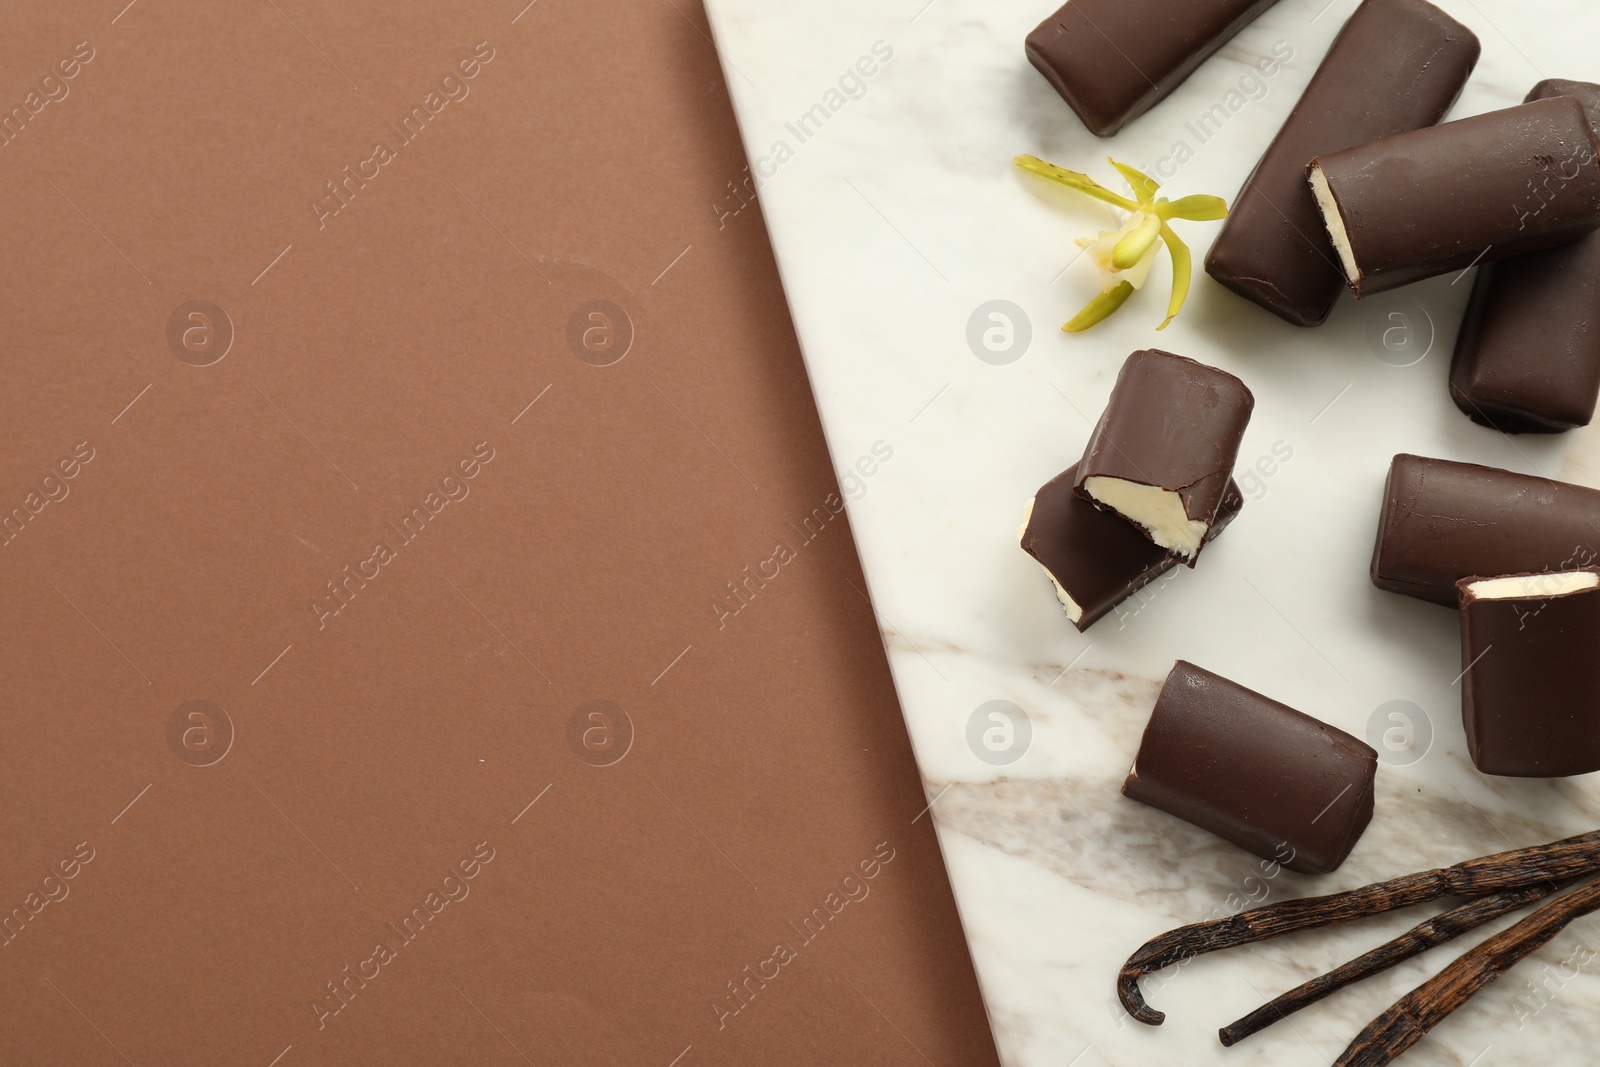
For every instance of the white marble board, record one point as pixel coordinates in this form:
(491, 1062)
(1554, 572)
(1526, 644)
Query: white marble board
(896, 212)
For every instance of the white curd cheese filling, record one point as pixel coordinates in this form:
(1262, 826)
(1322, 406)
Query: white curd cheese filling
(1159, 511)
(1334, 220)
(1527, 586)
(1073, 609)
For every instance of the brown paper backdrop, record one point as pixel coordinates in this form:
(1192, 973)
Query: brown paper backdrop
(182, 882)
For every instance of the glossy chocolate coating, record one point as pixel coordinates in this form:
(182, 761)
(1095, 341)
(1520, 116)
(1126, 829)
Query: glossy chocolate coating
(1113, 60)
(1098, 557)
(1396, 65)
(1270, 779)
(1442, 199)
(1527, 359)
(1530, 697)
(1174, 423)
(1443, 521)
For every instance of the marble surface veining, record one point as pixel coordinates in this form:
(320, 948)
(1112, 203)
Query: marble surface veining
(881, 136)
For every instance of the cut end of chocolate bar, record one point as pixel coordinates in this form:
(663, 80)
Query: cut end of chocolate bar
(1333, 219)
(1095, 558)
(1396, 65)
(1444, 198)
(1073, 609)
(1161, 454)
(1529, 586)
(1160, 512)
(1443, 521)
(1530, 682)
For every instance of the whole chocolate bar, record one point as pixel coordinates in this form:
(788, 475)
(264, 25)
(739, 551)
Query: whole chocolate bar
(1396, 65)
(1443, 521)
(1530, 683)
(1442, 199)
(1163, 450)
(1113, 60)
(1270, 779)
(1527, 359)
(1097, 559)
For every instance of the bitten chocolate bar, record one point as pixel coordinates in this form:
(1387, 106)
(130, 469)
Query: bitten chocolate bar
(1530, 683)
(1396, 65)
(1527, 359)
(1472, 191)
(1443, 521)
(1270, 779)
(1163, 450)
(1096, 559)
(1113, 60)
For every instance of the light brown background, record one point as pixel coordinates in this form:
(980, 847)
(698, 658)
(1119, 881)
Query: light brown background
(369, 756)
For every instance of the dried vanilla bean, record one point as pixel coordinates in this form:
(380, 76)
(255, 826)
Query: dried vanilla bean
(1435, 931)
(1420, 1010)
(1556, 862)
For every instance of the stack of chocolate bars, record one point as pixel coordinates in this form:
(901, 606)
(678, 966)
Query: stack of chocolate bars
(1153, 487)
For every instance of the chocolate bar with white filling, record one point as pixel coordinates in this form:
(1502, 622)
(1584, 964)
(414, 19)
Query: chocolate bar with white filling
(1443, 520)
(1396, 65)
(1097, 559)
(1162, 454)
(1445, 198)
(1530, 678)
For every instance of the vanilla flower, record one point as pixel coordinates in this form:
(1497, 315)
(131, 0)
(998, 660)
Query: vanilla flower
(1102, 252)
(1123, 256)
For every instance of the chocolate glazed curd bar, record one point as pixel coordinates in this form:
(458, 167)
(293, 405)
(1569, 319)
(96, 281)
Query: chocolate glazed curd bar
(1097, 559)
(1527, 359)
(1270, 779)
(1443, 521)
(1530, 683)
(1472, 191)
(1396, 65)
(1113, 60)
(1163, 450)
